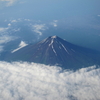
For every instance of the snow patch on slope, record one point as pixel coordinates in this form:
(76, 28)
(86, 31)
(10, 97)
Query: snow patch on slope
(21, 45)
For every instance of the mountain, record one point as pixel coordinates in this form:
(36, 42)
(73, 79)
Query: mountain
(56, 51)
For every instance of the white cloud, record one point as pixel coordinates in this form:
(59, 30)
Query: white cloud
(13, 21)
(9, 2)
(9, 30)
(1, 48)
(2, 29)
(9, 25)
(25, 81)
(27, 19)
(20, 20)
(22, 2)
(16, 29)
(4, 39)
(54, 23)
(5, 35)
(21, 45)
(98, 15)
(38, 28)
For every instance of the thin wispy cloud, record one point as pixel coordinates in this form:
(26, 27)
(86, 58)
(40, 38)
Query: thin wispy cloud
(9, 25)
(27, 19)
(14, 21)
(10, 28)
(6, 35)
(9, 2)
(1, 48)
(3, 29)
(31, 81)
(4, 39)
(54, 23)
(39, 28)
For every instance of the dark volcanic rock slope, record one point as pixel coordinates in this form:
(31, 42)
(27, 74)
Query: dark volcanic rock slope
(56, 51)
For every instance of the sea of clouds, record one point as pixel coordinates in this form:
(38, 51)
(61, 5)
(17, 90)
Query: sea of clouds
(31, 81)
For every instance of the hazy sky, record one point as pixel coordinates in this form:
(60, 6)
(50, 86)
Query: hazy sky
(77, 21)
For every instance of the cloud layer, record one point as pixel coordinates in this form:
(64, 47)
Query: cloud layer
(31, 81)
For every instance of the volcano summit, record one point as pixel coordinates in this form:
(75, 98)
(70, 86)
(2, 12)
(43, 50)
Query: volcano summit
(56, 51)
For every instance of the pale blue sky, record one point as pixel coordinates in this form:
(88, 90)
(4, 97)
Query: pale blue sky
(78, 21)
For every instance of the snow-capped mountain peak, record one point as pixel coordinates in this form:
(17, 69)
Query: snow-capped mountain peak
(56, 51)
(54, 37)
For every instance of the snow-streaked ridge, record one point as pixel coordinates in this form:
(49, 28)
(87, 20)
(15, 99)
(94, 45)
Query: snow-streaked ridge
(54, 50)
(51, 42)
(64, 48)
